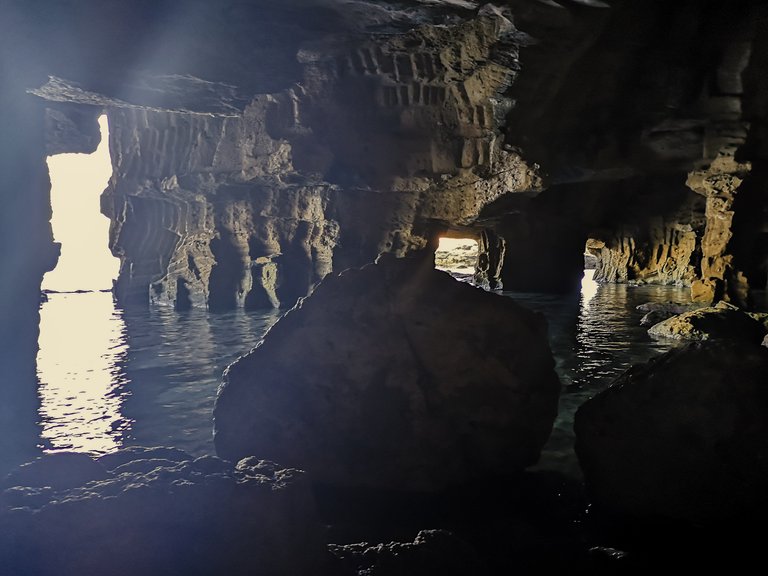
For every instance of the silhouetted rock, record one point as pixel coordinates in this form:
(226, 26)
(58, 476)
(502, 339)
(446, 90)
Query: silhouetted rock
(682, 436)
(157, 512)
(394, 376)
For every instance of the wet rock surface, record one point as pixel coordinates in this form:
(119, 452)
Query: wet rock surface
(683, 436)
(154, 511)
(715, 322)
(405, 379)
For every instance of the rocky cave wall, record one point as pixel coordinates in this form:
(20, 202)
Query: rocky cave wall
(394, 124)
(380, 145)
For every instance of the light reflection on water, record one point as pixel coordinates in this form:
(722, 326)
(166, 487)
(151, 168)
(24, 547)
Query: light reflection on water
(110, 378)
(595, 336)
(82, 390)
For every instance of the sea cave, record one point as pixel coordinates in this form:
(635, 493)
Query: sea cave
(383, 288)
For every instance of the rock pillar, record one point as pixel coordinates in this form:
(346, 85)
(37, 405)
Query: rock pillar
(720, 280)
(490, 258)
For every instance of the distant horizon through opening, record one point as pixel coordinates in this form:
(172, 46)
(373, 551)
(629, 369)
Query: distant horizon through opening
(77, 181)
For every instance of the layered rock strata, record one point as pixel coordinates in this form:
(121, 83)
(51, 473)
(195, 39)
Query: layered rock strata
(252, 209)
(407, 380)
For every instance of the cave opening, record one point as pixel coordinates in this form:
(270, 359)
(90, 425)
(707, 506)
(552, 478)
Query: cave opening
(457, 256)
(82, 338)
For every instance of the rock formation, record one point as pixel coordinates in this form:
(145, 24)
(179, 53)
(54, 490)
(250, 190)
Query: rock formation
(253, 207)
(682, 436)
(722, 321)
(406, 380)
(157, 511)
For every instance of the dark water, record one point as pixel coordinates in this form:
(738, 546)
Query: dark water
(595, 336)
(110, 378)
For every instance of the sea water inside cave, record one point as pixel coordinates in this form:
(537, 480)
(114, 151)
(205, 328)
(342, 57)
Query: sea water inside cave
(110, 378)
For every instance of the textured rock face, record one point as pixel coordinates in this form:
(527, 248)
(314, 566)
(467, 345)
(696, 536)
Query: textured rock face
(719, 184)
(401, 120)
(254, 208)
(406, 380)
(157, 511)
(683, 436)
(722, 321)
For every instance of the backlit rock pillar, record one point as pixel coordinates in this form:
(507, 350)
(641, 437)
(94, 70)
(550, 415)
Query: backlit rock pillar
(720, 280)
(26, 253)
(490, 259)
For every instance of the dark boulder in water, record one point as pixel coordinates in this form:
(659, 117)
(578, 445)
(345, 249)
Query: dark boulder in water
(684, 436)
(394, 376)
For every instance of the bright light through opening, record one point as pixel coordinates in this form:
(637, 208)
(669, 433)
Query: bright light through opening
(456, 255)
(77, 181)
(82, 343)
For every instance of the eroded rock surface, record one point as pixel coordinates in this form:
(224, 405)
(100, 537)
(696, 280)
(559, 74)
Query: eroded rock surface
(394, 376)
(682, 436)
(723, 321)
(157, 511)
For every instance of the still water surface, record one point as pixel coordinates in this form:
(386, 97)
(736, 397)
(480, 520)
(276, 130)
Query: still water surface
(110, 378)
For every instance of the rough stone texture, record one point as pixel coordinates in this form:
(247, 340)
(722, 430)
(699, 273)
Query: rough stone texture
(683, 436)
(407, 380)
(71, 129)
(719, 183)
(723, 321)
(656, 312)
(664, 256)
(157, 511)
(431, 552)
(254, 208)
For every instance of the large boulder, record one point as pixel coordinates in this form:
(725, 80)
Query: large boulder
(720, 321)
(394, 376)
(683, 436)
(157, 512)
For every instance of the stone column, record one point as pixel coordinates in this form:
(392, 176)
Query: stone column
(490, 258)
(719, 183)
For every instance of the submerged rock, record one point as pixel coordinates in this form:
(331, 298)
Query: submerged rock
(394, 376)
(721, 321)
(157, 512)
(683, 436)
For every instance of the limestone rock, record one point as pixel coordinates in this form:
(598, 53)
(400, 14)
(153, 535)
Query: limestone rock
(720, 321)
(656, 312)
(157, 511)
(394, 376)
(682, 436)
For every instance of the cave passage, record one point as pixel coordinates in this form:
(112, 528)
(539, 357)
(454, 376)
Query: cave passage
(457, 256)
(77, 181)
(82, 335)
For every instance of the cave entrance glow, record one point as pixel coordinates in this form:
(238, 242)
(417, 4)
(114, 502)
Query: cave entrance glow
(77, 181)
(588, 285)
(457, 256)
(82, 335)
